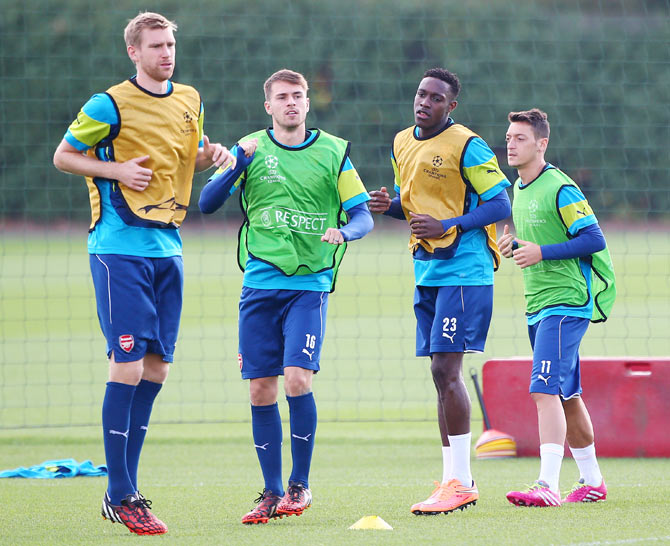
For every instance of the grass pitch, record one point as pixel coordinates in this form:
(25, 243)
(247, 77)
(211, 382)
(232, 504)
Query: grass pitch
(378, 446)
(53, 366)
(203, 478)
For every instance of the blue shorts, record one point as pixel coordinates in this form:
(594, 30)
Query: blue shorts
(139, 304)
(280, 328)
(555, 341)
(452, 319)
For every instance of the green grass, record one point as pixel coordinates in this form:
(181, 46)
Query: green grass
(203, 478)
(53, 367)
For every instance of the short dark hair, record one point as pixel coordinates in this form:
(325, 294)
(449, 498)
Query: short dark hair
(448, 77)
(536, 118)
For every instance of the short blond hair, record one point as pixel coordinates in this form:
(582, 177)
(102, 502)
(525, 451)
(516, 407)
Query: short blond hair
(284, 75)
(133, 31)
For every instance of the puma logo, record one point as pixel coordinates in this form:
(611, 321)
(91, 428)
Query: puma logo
(124, 434)
(581, 212)
(308, 353)
(305, 438)
(545, 379)
(489, 171)
(451, 337)
(264, 447)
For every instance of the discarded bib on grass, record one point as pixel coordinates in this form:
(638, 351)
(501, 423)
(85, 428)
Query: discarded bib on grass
(62, 468)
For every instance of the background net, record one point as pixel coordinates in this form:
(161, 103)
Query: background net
(600, 69)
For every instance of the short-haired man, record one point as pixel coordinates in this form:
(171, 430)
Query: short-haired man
(451, 191)
(138, 145)
(295, 191)
(569, 281)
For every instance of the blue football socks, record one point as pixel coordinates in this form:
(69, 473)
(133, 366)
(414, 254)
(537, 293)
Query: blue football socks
(115, 429)
(140, 413)
(267, 432)
(302, 410)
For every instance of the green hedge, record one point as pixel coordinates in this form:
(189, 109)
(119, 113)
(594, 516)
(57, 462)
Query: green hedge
(600, 69)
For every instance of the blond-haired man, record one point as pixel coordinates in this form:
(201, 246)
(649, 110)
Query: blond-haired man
(138, 145)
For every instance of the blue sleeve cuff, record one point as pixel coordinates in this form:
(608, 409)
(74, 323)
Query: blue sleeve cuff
(360, 223)
(449, 223)
(69, 138)
(220, 185)
(495, 190)
(395, 210)
(580, 224)
(355, 200)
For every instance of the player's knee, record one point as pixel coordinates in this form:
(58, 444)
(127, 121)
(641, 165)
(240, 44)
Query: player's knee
(297, 384)
(129, 373)
(155, 368)
(445, 376)
(263, 391)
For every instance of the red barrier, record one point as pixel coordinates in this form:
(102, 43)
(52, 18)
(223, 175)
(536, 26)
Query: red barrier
(628, 399)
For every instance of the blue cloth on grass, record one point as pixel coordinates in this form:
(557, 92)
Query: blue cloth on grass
(61, 468)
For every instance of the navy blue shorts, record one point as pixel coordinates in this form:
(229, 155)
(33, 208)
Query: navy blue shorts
(280, 328)
(139, 304)
(452, 319)
(555, 341)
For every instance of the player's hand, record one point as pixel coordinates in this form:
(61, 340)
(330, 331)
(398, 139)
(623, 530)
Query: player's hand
(217, 154)
(333, 236)
(527, 254)
(505, 242)
(249, 146)
(380, 201)
(132, 175)
(424, 226)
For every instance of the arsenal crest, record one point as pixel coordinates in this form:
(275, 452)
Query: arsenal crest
(127, 342)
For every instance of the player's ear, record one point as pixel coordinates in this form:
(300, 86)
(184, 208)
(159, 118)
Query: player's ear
(132, 53)
(452, 106)
(542, 144)
(307, 103)
(268, 108)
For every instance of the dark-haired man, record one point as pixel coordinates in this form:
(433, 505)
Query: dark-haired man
(569, 281)
(450, 189)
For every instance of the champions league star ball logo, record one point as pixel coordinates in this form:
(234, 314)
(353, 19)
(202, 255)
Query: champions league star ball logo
(265, 218)
(187, 117)
(272, 175)
(532, 206)
(437, 161)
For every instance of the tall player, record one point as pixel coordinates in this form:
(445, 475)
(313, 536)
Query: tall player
(450, 190)
(138, 145)
(294, 194)
(569, 280)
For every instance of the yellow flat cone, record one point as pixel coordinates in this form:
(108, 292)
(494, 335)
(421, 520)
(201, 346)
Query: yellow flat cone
(371, 522)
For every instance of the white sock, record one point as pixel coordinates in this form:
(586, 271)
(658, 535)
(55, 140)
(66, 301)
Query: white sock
(446, 463)
(460, 458)
(589, 471)
(551, 457)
